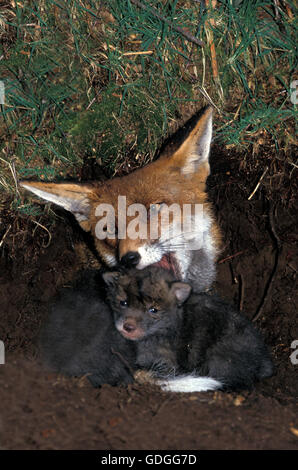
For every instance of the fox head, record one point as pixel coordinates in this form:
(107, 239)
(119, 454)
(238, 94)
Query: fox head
(176, 179)
(145, 302)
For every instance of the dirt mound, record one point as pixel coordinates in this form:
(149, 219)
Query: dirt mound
(43, 411)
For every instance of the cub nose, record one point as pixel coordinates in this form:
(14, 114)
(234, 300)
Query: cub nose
(130, 259)
(129, 327)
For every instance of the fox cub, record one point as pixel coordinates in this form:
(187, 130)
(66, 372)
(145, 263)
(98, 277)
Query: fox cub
(190, 342)
(79, 336)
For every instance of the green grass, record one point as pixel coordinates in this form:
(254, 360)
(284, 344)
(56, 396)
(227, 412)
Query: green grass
(73, 92)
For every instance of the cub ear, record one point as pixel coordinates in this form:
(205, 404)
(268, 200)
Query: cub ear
(181, 291)
(194, 152)
(74, 198)
(111, 277)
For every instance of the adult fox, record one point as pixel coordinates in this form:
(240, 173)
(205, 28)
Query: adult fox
(176, 179)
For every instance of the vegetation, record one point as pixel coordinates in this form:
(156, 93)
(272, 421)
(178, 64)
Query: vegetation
(107, 81)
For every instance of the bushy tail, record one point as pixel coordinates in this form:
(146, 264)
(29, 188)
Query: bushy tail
(190, 383)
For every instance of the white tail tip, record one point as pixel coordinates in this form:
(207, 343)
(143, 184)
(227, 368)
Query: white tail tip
(189, 383)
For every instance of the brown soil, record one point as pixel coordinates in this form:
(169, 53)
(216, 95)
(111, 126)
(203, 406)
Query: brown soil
(256, 271)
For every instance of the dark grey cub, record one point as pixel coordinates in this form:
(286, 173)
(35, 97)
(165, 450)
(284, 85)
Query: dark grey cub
(194, 341)
(79, 336)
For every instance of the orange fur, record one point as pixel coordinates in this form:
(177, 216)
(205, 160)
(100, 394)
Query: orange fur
(178, 178)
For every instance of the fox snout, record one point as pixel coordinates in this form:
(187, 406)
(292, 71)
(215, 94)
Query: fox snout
(129, 328)
(130, 259)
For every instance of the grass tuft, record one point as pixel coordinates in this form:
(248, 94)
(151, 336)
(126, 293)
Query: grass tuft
(108, 81)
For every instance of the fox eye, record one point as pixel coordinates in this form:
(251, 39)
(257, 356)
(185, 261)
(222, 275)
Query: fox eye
(123, 303)
(111, 234)
(154, 208)
(152, 310)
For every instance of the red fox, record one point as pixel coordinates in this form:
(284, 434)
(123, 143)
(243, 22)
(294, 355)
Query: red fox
(177, 180)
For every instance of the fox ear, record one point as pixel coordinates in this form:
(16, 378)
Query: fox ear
(181, 290)
(111, 277)
(194, 152)
(74, 198)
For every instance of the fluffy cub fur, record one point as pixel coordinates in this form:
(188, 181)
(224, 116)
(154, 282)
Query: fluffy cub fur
(189, 342)
(79, 337)
(194, 341)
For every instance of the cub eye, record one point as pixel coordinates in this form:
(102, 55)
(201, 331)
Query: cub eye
(152, 310)
(123, 303)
